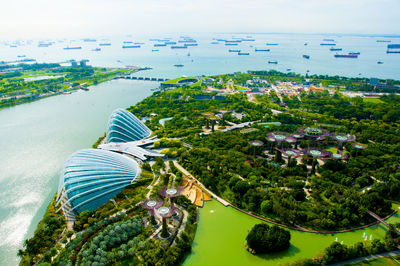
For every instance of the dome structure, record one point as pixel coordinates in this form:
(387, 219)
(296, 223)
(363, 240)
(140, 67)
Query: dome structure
(123, 126)
(91, 177)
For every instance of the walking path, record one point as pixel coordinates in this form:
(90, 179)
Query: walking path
(183, 170)
(377, 256)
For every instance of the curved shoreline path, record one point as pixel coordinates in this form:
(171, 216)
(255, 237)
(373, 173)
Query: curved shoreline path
(37, 137)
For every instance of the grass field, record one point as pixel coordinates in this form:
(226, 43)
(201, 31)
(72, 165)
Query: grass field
(372, 100)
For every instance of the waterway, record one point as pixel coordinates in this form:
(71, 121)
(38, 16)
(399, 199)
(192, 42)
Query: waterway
(36, 138)
(221, 233)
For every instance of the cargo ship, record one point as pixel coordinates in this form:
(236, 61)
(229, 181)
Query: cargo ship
(328, 44)
(130, 46)
(346, 56)
(335, 49)
(191, 44)
(233, 51)
(306, 56)
(105, 44)
(261, 50)
(72, 48)
(393, 51)
(178, 47)
(383, 41)
(269, 43)
(393, 46)
(243, 53)
(160, 44)
(354, 53)
(231, 44)
(273, 62)
(178, 65)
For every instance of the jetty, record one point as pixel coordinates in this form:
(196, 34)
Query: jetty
(142, 78)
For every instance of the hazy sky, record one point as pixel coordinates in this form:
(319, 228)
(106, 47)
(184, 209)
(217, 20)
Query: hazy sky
(59, 18)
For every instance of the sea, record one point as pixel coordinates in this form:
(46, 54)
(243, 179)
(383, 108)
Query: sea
(36, 138)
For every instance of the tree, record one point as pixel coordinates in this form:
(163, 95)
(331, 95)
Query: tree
(265, 239)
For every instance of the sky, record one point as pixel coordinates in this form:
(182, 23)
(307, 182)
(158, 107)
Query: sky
(78, 18)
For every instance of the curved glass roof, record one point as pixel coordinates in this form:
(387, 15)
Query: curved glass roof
(91, 177)
(123, 126)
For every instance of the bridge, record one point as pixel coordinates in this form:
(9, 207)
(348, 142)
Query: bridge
(379, 219)
(142, 78)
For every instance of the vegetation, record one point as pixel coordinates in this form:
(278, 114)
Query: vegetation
(263, 238)
(32, 82)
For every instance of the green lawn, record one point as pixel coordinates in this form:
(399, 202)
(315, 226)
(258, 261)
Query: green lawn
(372, 100)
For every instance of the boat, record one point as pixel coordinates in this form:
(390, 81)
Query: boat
(19, 56)
(105, 44)
(130, 46)
(72, 48)
(214, 42)
(273, 62)
(178, 65)
(328, 40)
(243, 53)
(393, 51)
(170, 42)
(383, 41)
(335, 49)
(306, 56)
(97, 49)
(328, 44)
(178, 47)
(393, 46)
(305, 44)
(231, 44)
(346, 55)
(160, 44)
(188, 54)
(89, 40)
(155, 50)
(379, 62)
(127, 42)
(354, 53)
(289, 69)
(233, 51)
(261, 50)
(191, 44)
(270, 43)
(13, 46)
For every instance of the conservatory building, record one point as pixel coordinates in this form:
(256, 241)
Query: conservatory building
(123, 126)
(91, 177)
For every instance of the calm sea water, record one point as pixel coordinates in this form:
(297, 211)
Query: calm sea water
(37, 137)
(209, 58)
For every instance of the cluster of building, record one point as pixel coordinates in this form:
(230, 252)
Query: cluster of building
(91, 177)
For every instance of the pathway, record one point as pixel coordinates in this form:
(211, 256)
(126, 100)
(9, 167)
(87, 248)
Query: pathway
(184, 171)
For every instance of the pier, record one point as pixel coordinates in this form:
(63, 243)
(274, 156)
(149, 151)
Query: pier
(142, 78)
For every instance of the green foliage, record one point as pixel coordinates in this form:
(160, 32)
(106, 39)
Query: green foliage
(263, 238)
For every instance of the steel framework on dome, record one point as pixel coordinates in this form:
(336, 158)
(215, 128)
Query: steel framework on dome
(91, 177)
(123, 126)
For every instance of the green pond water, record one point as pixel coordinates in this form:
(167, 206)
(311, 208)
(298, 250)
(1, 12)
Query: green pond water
(221, 233)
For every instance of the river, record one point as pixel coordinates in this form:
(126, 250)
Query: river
(36, 138)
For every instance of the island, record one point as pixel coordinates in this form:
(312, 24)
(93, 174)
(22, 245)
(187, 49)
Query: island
(314, 154)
